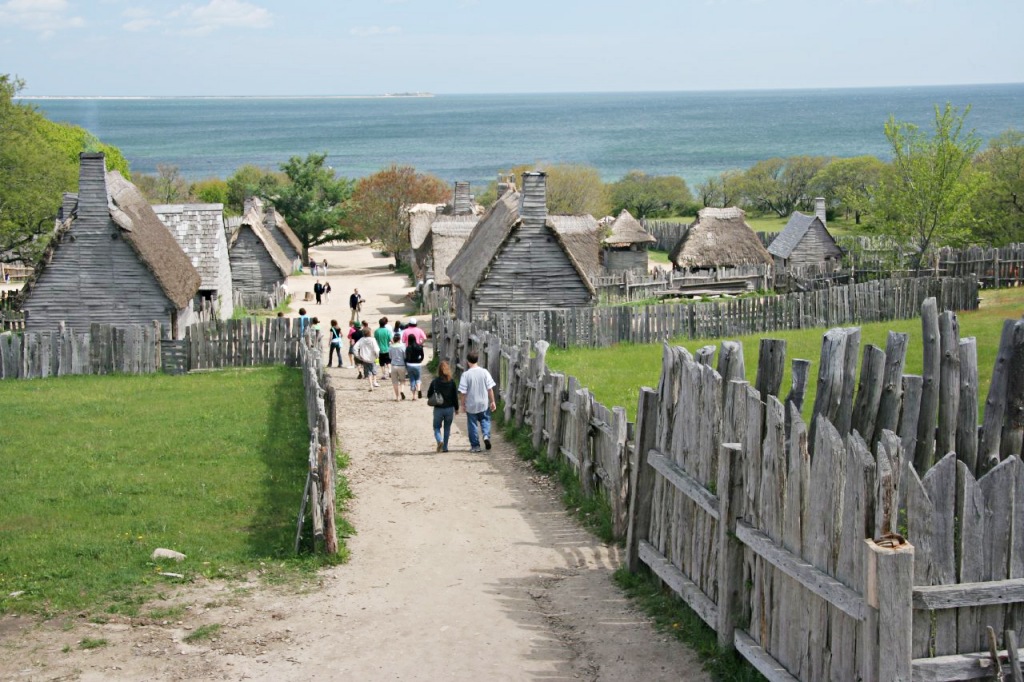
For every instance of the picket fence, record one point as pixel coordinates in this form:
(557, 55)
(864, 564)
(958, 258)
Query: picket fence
(140, 349)
(856, 303)
(818, 551)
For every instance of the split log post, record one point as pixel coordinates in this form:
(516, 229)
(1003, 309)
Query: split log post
(771, 365)
(642, 477)
(924, 452)
(967, 419)
(892, 388)
(949, 382)
(730, 550)
(995, 403)
(1012, 440)
(888, 577)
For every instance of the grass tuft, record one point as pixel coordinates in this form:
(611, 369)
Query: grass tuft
(90, 643)
(203, 633)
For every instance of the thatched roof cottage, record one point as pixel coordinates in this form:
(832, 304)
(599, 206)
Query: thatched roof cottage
(422, 219)
(283, 234)
(805, 240)
(719, 237)
(625, 247)
(258, 264)
(518, 258)
(447, 235)
(110, 261)
(199, 230)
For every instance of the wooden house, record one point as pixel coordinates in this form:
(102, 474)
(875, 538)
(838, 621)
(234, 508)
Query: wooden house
(110, 261)
(258, 264)
(423, 217)
(448, 234)
(199, 230)
(518, 258)
(805, 241)
(285, 237)
(719, 237)
(625, 247)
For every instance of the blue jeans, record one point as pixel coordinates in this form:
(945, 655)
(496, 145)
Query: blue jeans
(443, 415)
(414, 376)
(475, 419)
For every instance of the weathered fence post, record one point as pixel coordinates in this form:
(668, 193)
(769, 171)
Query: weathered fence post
(642, 476)
(730, 550)
(888, 588)
(924, 453)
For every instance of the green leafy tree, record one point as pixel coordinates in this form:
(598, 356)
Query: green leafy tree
(381, 200)
(210, 191)
(925, 194)
(999, 203)
(781, 186)
(650, 196)
(850, 183)
(314, 201)
(572, 189)
(251, 181)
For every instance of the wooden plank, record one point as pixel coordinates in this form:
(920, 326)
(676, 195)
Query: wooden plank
(888, 580)
(967, 419)
(799, 373)
(1012, 439)
(924, 452)
(683, 482)
(820, 583)
(679, 583)
(995, 403)
(730, 551)
(642, 477)
(975, 666)
(986, 593)
(831, 368)
(910, 413)
(949, 383)
(869, 392)
(771, 365)
(772, 670)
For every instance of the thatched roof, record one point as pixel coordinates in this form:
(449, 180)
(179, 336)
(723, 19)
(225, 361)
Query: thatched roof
(448, 234)
(199, 230)
(796, 229)
(577, 235)
(627, 230)
(279, 227)
(253, 219)
(580, 237)
(420, 218)
(719, 237)
(151, 241)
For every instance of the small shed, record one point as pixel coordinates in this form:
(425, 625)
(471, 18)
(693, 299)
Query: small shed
(518, 258)
(625, 247)
(283, 234)
(110, 261)
(199, 230)
(258, 264)
(804, 241)
(719, 237)
(448, 234)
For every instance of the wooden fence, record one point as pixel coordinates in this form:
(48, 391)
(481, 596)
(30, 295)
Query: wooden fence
(139, 349)
(630, 286)
(824, 551)
(866, 302)
(264, 300)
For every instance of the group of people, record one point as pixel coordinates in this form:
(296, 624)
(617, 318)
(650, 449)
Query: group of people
(322, 292)
(316, 268)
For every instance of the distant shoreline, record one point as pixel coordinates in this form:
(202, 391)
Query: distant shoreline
(396, 95)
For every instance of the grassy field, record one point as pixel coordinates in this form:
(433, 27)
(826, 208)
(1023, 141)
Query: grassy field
(99, 471)
(616, 374)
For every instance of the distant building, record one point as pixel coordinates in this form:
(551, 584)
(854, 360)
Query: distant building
(110, 261)
(258, 264)
(199, 230)
(625, 247)
(422, 220)
(719, 237)
(805, 241)
(518, 258)
(283, 234)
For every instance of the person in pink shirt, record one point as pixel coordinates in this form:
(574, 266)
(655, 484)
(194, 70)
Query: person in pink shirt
(413, 330)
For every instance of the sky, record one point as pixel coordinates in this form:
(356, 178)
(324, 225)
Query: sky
(366, 47)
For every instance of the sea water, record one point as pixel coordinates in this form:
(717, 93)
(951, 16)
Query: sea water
(472, 137)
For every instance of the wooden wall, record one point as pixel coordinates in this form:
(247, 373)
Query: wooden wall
(622, 260)
(252, 269)
(816, 246)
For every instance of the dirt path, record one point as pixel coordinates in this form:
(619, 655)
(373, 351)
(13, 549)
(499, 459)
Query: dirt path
(464, 567)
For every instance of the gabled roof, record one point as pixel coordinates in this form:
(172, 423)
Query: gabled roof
(151, 241)
(577, 236)
(273, 220)
(420, 218)
(199, 230)
(719, 237)
(448, 234)
(787, 240)
(252, 219)
(626, 230)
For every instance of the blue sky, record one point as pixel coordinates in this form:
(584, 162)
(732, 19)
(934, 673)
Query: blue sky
(338, 47)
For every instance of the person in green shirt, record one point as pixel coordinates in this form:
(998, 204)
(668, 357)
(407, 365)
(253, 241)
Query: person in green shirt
(383, 336)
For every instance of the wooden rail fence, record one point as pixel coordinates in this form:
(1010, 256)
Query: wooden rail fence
(828, 550)
(857, 303)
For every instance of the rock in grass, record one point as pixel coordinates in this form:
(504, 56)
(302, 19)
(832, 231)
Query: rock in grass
(162, 553)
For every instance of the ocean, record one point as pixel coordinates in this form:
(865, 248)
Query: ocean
(472, 137)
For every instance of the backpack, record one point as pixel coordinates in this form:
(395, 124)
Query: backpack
(413, 351)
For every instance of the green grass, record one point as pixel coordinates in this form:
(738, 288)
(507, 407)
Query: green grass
(203, 633)
(655, 257)
(90, 643)
(615, 374)
(99, 471)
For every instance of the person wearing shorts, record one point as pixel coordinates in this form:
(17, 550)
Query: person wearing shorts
(383, 336)
(398, 374)
(366, 353)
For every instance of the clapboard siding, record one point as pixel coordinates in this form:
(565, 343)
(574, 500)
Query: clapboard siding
(199, 230)
(252, 269)
(530, 272)
(816, 246)
(622, 260)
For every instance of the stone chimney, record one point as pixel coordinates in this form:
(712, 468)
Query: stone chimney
(819, 209)
(533, 202)
(505, 183)
(463, 200)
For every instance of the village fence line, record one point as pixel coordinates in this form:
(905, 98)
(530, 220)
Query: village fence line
(875, 301)
(878, 541)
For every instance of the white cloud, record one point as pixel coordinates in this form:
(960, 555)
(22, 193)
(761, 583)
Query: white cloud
(367, 31)
(139, 19)
(218, 14)
(45, 17)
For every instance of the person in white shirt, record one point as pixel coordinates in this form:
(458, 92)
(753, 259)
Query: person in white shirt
(476, 399)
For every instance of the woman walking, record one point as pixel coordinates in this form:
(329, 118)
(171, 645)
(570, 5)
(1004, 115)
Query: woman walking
(335, 347)
(445, 412)
(413, 364)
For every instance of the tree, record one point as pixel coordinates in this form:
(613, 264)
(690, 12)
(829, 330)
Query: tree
(780, 186)
(650, 196)
(314, 202)
(210, 191)
(721, 190)
(575, 189)
(850, 183)
(999, 204)
(251, 181)
(381, 200)
(925, 194)
(166, 187)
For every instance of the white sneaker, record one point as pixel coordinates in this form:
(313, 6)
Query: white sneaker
(376, 385)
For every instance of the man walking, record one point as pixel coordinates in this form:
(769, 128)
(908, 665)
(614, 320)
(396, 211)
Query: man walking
(476, 398)
(383, 336)
(355, 303)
